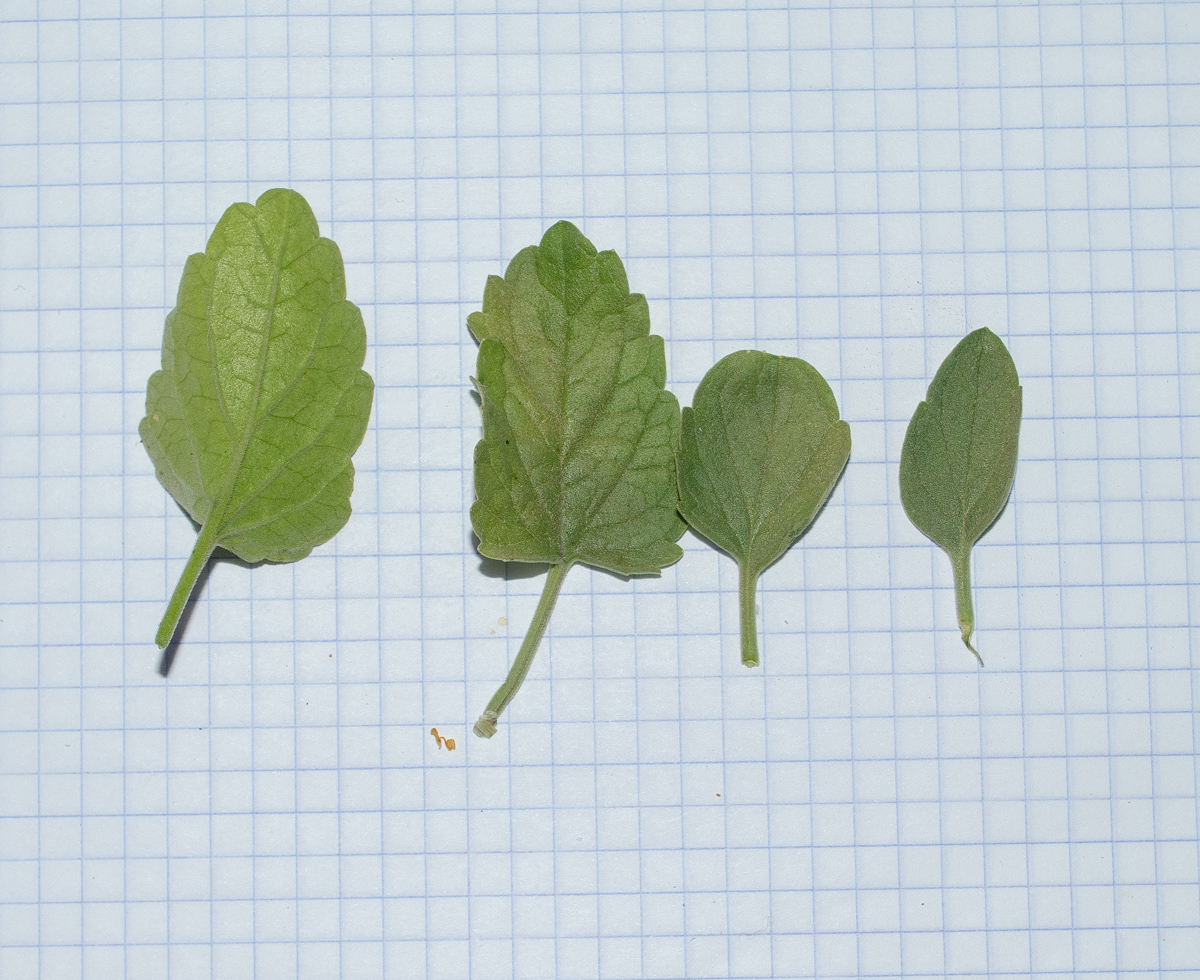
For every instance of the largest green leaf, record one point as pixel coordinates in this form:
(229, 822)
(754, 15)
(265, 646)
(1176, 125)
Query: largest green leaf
(261, 400)
(577, 459)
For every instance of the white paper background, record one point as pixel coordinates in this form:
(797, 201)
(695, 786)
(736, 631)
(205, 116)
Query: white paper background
(856, 185)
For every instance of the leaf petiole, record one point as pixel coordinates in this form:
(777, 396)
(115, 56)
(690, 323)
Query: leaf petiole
(485, 727)
(962, 591)
(206, 543)
(747, 584)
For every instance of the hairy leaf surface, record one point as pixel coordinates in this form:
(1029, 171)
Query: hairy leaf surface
(960, 454)
(762, 448)
(261, 399)
(577, 459)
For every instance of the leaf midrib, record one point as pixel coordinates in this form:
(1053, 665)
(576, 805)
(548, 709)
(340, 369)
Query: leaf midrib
(564, 376)
(968, 493)
(965, 492)
(587, 425)
(737, 479)
(755, 524)
(235, 465)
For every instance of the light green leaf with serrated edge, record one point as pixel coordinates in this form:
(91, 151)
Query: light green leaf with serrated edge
(261, 399)
(960, 455)
(577, 459)
(762, 448)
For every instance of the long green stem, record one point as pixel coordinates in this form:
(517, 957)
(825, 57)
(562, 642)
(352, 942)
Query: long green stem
(962, 592)
(485, 727)
(206, 542)
(747, 585)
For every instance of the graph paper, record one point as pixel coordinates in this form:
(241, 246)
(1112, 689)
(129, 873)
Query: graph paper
(858, 185)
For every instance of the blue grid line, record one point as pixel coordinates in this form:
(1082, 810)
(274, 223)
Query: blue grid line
(890, 499)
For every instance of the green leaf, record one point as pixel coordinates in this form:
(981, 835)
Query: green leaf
(960, 455)
(762, 448)
(577, 459)
(261, 400)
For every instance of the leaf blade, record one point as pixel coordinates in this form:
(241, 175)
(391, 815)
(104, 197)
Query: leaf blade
(579, 431)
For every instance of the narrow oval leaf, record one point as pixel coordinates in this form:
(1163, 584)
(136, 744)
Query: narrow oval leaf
(762, 448)
(577, 459)
(960, 455)
(261, 400)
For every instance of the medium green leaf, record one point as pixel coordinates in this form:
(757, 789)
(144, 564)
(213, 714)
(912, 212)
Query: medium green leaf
(577, 459)
(762, 448)
(261, 400)
(960, 455)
